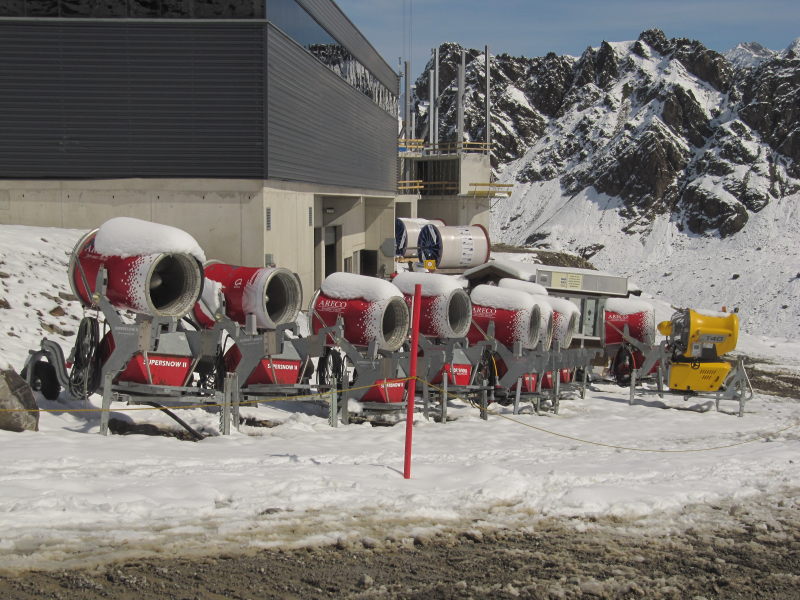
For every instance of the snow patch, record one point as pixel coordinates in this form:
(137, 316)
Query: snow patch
(126, 236)
(349, 286)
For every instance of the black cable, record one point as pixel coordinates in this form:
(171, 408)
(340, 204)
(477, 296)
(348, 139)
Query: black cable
(175, 417)
(84, 378)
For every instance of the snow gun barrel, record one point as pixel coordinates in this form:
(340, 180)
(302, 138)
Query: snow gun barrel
(371, 310)
(515, 314)
(637, 315)
(157, 284)
(445, 308)
(273, 295)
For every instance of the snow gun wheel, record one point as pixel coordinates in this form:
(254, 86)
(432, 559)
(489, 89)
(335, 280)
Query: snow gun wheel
(43, 379)
(622, 366)
(330, 368)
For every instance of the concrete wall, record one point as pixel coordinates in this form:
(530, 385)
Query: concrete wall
(473, 168)
(227, 217)
(218, 213)
(380, 215)
(456, 210)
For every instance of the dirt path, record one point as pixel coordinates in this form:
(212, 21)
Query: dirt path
(744, 550)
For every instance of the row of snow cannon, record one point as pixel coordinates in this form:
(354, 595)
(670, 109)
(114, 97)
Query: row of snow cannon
(169, 279)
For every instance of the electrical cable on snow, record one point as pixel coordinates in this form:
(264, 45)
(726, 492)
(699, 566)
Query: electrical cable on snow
(614, 446)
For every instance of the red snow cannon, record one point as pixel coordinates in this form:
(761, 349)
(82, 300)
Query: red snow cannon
(566, 317)
(272, 294)
(445, 308)
(160, 284)
(371, 309)
(515, 315)
(637, 315)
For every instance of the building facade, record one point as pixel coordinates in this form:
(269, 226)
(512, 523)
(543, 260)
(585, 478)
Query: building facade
(265, 128)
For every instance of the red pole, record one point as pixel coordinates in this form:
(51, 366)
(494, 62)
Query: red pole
(412, 384)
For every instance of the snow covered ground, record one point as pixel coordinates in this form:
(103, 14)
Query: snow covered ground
(69, 496)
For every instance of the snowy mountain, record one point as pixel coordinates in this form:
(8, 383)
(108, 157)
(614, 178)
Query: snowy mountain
(748, 55)
(659, 146)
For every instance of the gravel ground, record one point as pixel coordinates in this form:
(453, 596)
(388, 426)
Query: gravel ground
(735, 550)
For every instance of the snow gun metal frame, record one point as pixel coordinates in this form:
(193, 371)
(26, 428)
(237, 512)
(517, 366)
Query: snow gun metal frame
(444, 359)
(128, 348)
(265, 352)
(527, 370)
(377, 375)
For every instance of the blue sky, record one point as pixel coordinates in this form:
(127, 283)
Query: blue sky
(533, 27)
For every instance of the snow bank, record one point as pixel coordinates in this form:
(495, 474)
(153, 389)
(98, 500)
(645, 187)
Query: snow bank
(125, 236)
(348, 286)
(711, 313)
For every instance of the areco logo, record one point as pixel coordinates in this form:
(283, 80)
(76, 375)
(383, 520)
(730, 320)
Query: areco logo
(161, 362)
(331, 305)
(484, 311)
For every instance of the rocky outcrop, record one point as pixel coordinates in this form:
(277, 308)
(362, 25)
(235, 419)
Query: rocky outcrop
(18, 410)
(666, 125)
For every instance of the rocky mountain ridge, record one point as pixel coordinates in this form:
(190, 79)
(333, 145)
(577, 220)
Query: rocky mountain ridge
(666, 126)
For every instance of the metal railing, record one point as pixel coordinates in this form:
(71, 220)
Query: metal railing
(420, 146)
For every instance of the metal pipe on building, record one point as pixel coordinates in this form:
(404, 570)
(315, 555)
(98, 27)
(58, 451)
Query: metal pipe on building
(488, 102)
(436, 96)
(431, 103)
(461, 77)
(409, 132)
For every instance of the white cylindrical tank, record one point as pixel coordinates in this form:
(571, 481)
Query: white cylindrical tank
(454, 247)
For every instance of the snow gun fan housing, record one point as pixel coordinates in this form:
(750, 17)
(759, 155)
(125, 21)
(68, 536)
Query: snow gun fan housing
(273, 295)
(445, 308)
(515, 316)
(406, 234)
(698, 339)
(371, 310)
(634, 316)
(160, 284)
(456, 247)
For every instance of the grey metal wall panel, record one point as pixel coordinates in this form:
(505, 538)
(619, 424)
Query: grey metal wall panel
(105, 100)
(331, 17)
(320, 129)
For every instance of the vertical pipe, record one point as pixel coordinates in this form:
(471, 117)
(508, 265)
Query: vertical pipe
(461, 74)
(488, 103)
(412, 382)
(409, 133)
(431, 103)
(436, 96)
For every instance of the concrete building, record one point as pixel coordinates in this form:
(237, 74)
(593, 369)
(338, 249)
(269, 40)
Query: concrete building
(265, 128)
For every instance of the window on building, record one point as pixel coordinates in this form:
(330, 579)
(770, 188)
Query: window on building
(295, 22)
(268, 220)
